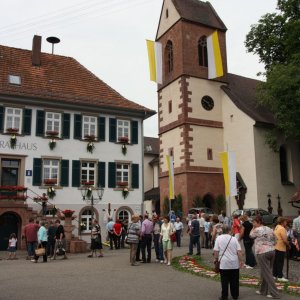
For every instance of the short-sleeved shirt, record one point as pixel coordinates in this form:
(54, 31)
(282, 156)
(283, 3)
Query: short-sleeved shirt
(118, 228)
(31, 231)
(60, 229)
(230, 259)
(280, 233)
(264, 239)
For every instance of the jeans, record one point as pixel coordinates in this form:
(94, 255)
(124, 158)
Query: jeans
(230, 277)
(111, 239)
(207, 240)
(50, 247)
(146, 243)
(31, 246)
(194, 240)
(117, 241)
(158, 247)
(250, 258)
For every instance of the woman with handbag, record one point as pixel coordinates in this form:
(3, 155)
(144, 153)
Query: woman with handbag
(96, 241)
(228, 254)
(42, 243)
(167, 229)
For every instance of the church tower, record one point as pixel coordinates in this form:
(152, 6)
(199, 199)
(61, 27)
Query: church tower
(189, 104)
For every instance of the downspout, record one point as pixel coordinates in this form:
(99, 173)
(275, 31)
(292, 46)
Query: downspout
(142, 145)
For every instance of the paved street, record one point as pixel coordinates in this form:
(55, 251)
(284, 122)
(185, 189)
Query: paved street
(110, 277)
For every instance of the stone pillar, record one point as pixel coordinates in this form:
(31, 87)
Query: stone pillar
(68, 227)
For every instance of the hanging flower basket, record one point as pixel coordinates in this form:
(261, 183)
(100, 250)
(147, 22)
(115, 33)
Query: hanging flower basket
(52, 133)
(89, 192)
(90, 147)
(13, 141)
(51, 192)
(52, 144)
(125, 192)
(12, 130)
(124, 149)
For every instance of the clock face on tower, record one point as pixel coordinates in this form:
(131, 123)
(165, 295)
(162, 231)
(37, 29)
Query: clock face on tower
(207, 103)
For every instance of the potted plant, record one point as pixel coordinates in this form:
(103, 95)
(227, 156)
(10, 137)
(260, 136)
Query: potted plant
(122, 183)
(52, 132)
(125, 192)
(12, 130)
(91, 182)
(90, 137)
(50, 181)
(13, 141)
(124, 140)
(68, 213)
(90, 147)
(51, 192)
(52, 144)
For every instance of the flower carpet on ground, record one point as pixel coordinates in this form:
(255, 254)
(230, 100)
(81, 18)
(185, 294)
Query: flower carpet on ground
(194, 265)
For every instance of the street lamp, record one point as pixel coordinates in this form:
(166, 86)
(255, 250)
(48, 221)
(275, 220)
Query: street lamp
(87, 195)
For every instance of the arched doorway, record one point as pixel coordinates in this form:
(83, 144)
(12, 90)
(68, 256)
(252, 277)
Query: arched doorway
(124, 213)
(209, 201)
(9, 223)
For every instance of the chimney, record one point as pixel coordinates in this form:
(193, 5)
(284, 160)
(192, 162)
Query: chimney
(36, 50)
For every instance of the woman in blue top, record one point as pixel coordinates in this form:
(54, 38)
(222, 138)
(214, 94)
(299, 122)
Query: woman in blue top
(42, 241)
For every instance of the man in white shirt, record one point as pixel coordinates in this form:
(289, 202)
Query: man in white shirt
(178, 227)
(201, 221)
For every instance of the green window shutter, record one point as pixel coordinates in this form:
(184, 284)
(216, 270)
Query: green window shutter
(1, 118)
(75, 173)
(27, 121)
(101, 174)
(37, 171)
(64, 173)
(135, 176)
(101, 129)
(66, 126)
(134, 132)
(112, 130)
(111, 175)
(40, 123)
(77, 127)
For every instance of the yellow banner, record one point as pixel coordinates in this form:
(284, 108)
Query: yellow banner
(224, 161)
(171, 176)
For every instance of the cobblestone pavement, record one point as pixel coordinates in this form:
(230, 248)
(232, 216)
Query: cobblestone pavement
(110, 278)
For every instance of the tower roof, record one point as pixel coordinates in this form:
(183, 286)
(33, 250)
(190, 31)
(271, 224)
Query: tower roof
(199, 12)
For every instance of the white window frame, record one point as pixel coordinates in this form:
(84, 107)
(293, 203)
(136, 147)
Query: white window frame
(88, 220)
(122, 212)
(121, 170)
(10, 112)
(53, 122)
(54, 170)
(89, 126)
(89, 175)
(123, 129)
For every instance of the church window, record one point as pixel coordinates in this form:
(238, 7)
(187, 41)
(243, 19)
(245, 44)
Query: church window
(170, 106)
(202, 52)
(169, 56)
(209, 154)
(167, 13)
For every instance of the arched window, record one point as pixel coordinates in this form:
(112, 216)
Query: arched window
(283, 164)
(202, 52)
(86, 219)
(123, 215)
(169, 56)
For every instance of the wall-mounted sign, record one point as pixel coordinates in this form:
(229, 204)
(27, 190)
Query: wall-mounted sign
(28, 172)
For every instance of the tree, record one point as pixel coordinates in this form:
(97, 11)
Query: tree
(221, 203)
(276, 40)
(198, 201)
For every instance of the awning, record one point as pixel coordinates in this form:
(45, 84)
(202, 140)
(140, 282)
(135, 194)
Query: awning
(152, 194)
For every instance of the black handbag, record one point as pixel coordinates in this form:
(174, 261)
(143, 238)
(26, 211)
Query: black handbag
(218, 261)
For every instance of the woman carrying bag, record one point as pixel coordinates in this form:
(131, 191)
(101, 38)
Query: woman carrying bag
(42, 244)
(227, 251)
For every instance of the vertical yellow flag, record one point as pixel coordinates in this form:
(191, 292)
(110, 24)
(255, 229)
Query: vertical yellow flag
(171, 176)
(224, 161)
(155, 60)
(228, 161)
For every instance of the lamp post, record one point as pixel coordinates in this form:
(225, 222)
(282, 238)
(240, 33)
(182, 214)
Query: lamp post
(87, 195)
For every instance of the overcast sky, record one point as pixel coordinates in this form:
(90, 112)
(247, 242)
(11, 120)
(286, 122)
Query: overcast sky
(108, 37)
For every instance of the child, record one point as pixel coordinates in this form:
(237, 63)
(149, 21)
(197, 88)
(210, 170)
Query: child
(12, 246)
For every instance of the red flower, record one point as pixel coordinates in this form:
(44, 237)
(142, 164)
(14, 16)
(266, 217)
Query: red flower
(17, 188)
(52, 132)
(50, 181)
(90, 137)
(123, 139)
(12, 130)
(87, 182)
(122, 183)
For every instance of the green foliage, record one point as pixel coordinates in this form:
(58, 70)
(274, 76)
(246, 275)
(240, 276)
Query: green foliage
(198, 201)
(166, 206)
(276, 40)
(221, 203)
(177, 205)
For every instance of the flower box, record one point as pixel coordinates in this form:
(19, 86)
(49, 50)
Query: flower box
(16, 188)
(13, 197)
(50, 181)
(88, 182)
(122, 183)
(12, 130)
(68, 213)
(123, 139)
(52, 132)
(90, 137)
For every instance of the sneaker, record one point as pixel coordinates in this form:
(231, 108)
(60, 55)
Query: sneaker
(33, 260)
(161, 261)
(258, 292)
(135, 264)
(157, 260)
(282, 279)
(248, 267)
(275, 278)
(272, 297)
(168, 264)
